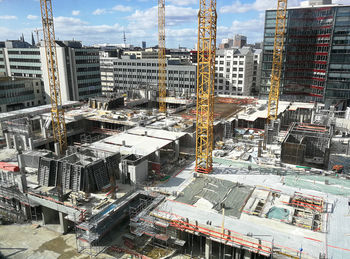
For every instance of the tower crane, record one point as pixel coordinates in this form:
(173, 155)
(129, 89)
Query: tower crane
(161, 56)
(57, 111)
(206, 49)
(277, 62)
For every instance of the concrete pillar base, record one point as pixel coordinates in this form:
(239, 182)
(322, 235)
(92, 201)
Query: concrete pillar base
(157, 154)
(177, 149)
(63, 223)
(208, 248)
(8, 140)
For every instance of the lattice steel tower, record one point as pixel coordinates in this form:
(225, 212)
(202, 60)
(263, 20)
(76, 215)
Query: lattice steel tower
(57, 111)
(207, 19)
(277, 61)
(161, 56)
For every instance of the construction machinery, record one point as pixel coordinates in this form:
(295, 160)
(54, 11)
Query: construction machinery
(277, 62)
(161, 56)
(57, 111)
(207, 19)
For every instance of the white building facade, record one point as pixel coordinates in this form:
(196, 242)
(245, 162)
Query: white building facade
(234, 70)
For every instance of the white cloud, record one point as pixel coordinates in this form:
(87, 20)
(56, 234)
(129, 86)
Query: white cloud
(32, 17)
(70, 27)
(117, 8)
(174, 16)
(75, 12)
(99, 11)
(259, 5)
(183, 2)
(8, 17)
(122, 8)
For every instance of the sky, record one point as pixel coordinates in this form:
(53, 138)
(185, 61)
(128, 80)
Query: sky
(104, 21)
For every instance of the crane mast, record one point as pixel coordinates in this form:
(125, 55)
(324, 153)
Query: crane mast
(57, 111)
(277, 62)
(161, 56)
(206, 49)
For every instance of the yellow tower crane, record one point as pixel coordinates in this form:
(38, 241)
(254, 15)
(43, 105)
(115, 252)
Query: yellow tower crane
(57, 111)
(161, 56)
(206, 49)
(277, 61)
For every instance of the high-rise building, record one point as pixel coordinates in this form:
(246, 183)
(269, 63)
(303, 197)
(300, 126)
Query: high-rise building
(239, 41)
(79, 67)
(119, 75)
(144, 45)
(234, 70)
(316, 54)
(79, 71)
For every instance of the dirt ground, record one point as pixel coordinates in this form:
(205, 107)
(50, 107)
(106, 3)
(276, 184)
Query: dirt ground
(32, 242)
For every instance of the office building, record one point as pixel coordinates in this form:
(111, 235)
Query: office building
(79, 67)
(257, 71)
(79, 71)
(234, 70)
(226, 44)
(119, 75)
(142, 54)
(316, 53)
(239, 41)
(20, 93)
(144, 44)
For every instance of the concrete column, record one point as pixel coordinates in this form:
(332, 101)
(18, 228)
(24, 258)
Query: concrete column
(25, 147)
(57, 149)
(31, 144)
(247, 254)
(63, 223)
(157, 154)
(8, 140)
(43, 132)
(348, 148)
(260, 145)
(15, 143)
(237, 253)
(41, 121)
(208, 248)
(177, 149)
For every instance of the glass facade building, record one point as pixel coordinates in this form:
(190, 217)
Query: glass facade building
(316, 54)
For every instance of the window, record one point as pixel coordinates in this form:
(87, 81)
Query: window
(241, 69)
(228, 63)
(227, 70)
(240, 82)
(221, 62)
(241, 62)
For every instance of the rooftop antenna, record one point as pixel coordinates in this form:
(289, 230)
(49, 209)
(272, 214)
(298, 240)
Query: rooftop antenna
(124, 38)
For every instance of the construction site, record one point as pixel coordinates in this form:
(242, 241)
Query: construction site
(166, 177)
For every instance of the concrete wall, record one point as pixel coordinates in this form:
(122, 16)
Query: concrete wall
(139, 172)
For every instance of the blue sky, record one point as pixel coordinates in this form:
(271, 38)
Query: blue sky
(104, 21)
